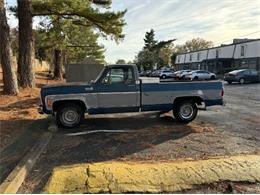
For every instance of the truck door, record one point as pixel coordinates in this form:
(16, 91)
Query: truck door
(117, 91)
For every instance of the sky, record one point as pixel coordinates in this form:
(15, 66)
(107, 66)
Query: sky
(215, 20)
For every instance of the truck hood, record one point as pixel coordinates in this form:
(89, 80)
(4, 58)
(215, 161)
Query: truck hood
(66, 88)
(64, 84)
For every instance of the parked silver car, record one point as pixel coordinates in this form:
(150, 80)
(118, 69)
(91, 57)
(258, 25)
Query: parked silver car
(200, 75)
(181, 74)
(163, 74)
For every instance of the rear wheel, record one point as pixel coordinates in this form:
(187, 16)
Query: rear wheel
(212, 77)
(241, 81)
(229, 82)
(195, 78)
(69, 115)
(163, 76)
(185, 111)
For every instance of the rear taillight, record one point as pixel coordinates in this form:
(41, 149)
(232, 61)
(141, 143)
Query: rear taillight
(222, 92)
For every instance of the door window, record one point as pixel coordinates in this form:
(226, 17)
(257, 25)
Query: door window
(119, 76)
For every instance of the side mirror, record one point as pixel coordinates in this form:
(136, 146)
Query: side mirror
(92, 81)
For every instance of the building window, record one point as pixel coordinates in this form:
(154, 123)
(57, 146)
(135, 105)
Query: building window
(217, 53)
(179, 58)
(242, 50)
(190, 57)
(198, 56)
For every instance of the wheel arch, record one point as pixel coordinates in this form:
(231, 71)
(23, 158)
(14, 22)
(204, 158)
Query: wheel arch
(196, 99)
(56, 104)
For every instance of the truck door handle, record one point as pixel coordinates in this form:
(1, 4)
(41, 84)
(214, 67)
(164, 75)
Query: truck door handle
(146, 94)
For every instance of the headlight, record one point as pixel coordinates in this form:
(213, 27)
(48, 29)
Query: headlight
(49, 102)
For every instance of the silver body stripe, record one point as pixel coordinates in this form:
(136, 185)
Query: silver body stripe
(131, 99)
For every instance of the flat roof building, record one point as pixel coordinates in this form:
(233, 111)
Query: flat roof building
(242, 53)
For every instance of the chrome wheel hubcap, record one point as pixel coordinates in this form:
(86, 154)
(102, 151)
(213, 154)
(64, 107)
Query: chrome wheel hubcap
(70, 117)
(186, 111)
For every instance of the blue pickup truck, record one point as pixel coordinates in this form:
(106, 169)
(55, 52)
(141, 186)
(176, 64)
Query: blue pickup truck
(119, 89)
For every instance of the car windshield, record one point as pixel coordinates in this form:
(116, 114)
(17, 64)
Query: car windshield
(236, 71)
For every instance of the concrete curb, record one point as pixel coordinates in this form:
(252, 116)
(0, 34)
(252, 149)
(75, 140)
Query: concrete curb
(15, 179)
(153, 177)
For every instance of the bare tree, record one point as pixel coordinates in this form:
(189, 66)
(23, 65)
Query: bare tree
(26, 48)
(9, 77)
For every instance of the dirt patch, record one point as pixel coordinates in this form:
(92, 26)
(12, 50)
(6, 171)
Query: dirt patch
(225, 188)
(18, 112)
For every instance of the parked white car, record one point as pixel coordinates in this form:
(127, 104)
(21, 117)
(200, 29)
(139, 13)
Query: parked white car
(200, 75)
(166, 74)
(182, 73)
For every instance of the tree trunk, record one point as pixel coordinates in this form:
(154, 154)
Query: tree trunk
(25, 59)
(58, 64)
(9, 77)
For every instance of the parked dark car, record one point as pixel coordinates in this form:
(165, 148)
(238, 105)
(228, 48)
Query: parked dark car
(242, 76)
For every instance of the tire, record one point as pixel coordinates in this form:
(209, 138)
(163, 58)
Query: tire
(180, 114)
(163, 76)
(69, 115)
(196, 78)
(229, 82)
(241, 81)
(212, 77)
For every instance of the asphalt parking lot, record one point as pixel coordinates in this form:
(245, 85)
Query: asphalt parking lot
(229, 130)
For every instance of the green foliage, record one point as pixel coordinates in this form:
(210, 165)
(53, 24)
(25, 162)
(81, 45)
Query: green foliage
(193, 45)
(74, 26)
(149, 40)
(155, 54)
(120, 61)
(76, 41)
(146, 60)
(85, 13)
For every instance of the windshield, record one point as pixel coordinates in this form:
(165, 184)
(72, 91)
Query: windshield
(236, 71)
(99, 75)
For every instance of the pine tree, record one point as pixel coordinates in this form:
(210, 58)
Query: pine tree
(95, 14)
(26, 47)
(65, 13)
(149, 40)
(9, 77)
(68, 41)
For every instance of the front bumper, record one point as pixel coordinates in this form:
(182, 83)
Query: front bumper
(232, 79)
(215, 102)
(40, 109)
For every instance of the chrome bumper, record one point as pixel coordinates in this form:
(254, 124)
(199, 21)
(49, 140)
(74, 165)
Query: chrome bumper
(40, 109)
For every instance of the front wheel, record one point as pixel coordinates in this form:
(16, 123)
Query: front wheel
(241, 81)
(163, 76)
(69, 115)
(185, 111)
(212, 77)
(196, 78)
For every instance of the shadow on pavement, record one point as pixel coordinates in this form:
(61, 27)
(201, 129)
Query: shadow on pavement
(13, 153)
(147, 132)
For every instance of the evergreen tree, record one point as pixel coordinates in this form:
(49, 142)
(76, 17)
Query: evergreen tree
(26, 47)
(154, 54)
(9, 77)
(70, 43)
(95, 14)
(120, 61)
(149, 40)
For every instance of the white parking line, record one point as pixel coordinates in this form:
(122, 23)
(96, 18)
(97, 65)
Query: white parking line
(101, 131)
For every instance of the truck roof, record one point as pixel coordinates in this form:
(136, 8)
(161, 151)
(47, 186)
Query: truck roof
(119, 65)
